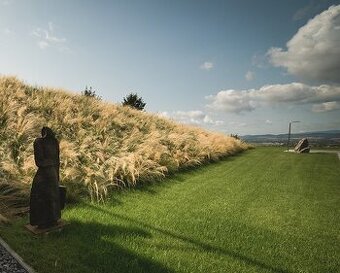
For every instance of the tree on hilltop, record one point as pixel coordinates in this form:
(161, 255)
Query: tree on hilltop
(236, 136)
(134, 101)
(88, 92)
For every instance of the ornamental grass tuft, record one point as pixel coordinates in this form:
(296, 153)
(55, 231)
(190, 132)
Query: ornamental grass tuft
(103, 146)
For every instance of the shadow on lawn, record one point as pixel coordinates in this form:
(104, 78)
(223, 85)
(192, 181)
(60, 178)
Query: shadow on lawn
(202, 245)
(94, 249)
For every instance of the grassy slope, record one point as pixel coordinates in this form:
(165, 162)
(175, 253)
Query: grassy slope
(103, 146)
(262, 211)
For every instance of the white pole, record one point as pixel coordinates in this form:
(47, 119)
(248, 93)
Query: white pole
(289, 132)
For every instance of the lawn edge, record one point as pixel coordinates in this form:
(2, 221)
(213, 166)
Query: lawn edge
(16, 257)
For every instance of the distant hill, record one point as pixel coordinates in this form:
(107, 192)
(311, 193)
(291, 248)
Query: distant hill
(319, 138)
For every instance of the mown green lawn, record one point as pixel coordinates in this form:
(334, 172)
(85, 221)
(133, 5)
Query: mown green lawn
(261, 211)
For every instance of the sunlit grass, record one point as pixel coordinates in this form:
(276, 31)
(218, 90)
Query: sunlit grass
(261, 211)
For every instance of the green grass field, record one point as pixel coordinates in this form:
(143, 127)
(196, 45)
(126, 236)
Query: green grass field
(260, 211)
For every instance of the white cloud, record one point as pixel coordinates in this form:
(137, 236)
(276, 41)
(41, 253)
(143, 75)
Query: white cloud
(196, 117)
(314, 51)
(207, 66)
(249, 75)
(43, 44)
(238, 101)
(46, 38)
(297, 93)
(192, 116)
(326, 106)
(163, 114)
(268, 122)
(231, 101)
(208, 120)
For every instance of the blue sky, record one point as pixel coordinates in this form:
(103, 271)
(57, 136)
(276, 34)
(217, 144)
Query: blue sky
(245, 67)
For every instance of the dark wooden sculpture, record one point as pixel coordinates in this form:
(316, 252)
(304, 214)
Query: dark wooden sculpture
(44, 199)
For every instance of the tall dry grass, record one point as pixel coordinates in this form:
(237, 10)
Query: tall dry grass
(103, 145)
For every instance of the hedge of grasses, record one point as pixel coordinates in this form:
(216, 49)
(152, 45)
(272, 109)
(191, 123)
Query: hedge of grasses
(103, 145)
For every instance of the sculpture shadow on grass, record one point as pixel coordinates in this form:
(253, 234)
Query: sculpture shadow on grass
(93, 248)
(195, 243)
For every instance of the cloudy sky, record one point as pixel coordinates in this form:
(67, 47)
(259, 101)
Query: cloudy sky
(245, 67)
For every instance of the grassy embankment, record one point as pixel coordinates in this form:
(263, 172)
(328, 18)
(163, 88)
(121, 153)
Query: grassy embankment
(261, 211)
(103, 146)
